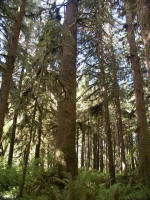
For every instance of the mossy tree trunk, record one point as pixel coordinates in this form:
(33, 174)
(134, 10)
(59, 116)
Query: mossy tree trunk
(65, 152)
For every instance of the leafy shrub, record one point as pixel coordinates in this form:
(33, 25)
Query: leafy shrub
(9, 177)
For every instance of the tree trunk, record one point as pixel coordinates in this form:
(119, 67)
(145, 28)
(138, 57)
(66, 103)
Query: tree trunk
(77, 145)
(101, 155)
(13, 132)
(105, 103)
(27, 153)
(95, 151)
(143, 12)
(12, 140)
(65, 152)
(111, 166)
(37, 150)
(83, 146)
(132, 153)
(7, 78)
(96, 143)
(143, 134)
(89, 145)
(117, 106)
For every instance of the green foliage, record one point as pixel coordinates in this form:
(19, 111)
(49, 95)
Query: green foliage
(86, 185)
(121, 192)
(89, 185)
(9, 179)
(94, 185)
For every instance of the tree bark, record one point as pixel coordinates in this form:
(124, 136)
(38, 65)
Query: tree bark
(142, 129)
(7, 78)
(143, 12)
(65, 152)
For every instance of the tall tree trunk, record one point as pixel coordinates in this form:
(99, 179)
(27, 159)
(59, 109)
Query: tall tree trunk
(116, 89)
(7, 78)
(66, 153)
(143, 134)
(143, 12)
(100, 13)
(105, 103)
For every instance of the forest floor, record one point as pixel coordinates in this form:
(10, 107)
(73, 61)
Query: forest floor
(89, 185)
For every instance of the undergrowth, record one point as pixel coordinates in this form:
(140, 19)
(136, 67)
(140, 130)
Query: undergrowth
(49, 185)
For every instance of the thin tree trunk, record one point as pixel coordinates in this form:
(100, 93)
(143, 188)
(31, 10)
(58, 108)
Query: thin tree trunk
(106, 117)
(27, 152)
(37, 150)
(7, 77)
(65, 152)
(94, 151)
(105, 98)
(101, 147)
(12, 140)
(106, 156)
(132, 155)
(98, 151)
(101, 155)
(117, 106)
(89, 142)
(83, 146)
(143, 134)
(13, 132)
(96, 146)
(77, 146)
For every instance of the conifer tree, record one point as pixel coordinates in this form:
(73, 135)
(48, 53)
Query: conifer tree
(65, 152)
(142, 129)
(12, 53)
